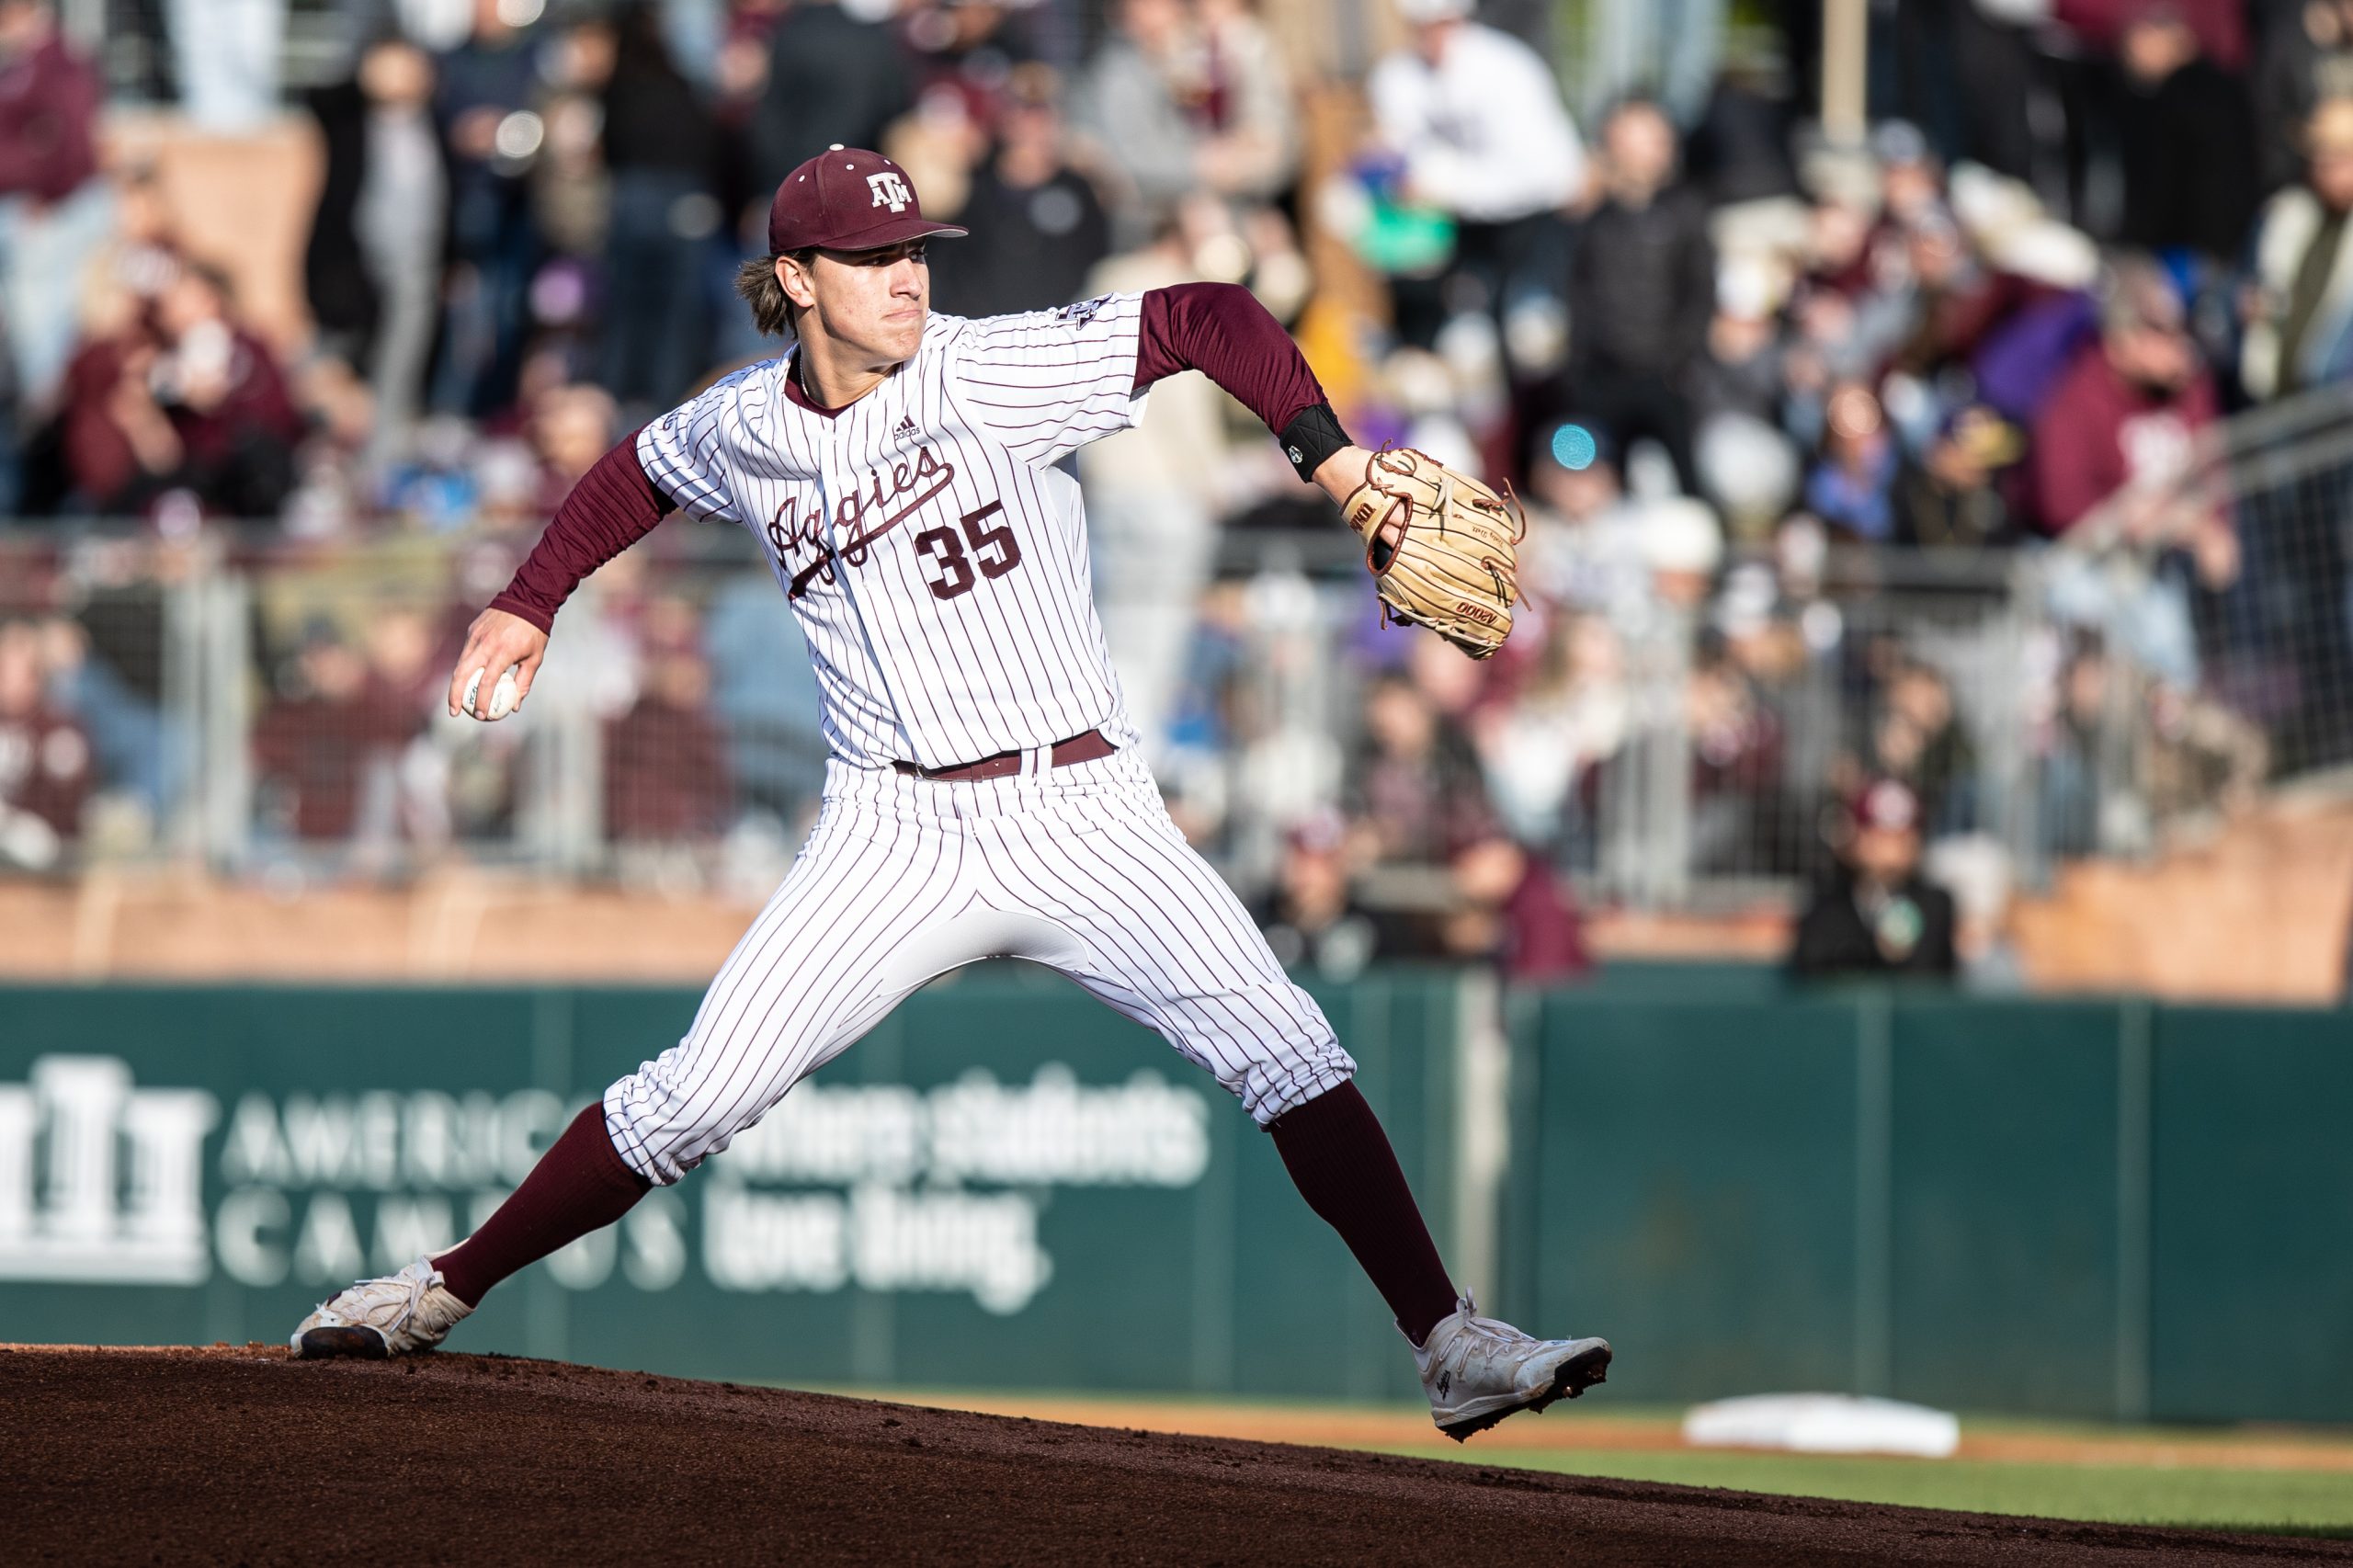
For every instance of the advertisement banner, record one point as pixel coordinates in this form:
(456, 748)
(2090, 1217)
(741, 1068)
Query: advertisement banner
(1005, 1186)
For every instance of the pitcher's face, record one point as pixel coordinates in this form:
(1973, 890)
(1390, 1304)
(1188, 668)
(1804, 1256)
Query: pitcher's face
(875, 301)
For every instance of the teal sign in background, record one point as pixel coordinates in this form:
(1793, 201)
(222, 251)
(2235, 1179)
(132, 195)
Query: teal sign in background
(2072, 1207)
(1215, 1278)
(2100, 1208)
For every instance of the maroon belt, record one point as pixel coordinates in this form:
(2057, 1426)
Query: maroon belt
(1078, 748)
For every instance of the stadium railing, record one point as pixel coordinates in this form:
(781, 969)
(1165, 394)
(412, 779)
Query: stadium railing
(273, 707)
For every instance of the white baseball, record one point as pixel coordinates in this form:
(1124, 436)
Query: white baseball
(502, 696)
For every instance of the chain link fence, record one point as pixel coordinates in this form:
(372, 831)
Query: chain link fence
(2203, 634)
(276, 710)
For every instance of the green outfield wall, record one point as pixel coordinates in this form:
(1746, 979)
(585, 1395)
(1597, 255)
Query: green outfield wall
(2072, 1207)
(1006, 1185)
(2090, 1208)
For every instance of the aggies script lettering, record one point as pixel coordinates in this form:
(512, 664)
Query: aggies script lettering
(962, 561)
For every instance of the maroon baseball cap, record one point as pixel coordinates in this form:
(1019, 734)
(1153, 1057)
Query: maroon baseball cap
(847, 198)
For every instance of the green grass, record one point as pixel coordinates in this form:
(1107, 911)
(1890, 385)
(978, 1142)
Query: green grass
(2293, 1502)
(2258, 1501)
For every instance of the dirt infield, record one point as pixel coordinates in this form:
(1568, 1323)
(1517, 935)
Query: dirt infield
(240, 1455)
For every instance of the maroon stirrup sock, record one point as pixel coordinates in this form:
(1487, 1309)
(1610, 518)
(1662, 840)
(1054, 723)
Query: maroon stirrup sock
(580, 1184)
(1342, 1164)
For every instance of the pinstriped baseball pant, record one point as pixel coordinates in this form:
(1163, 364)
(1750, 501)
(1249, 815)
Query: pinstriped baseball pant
(904, 879)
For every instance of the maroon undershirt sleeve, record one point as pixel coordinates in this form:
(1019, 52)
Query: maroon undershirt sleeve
(1221, 330)
(613, 507)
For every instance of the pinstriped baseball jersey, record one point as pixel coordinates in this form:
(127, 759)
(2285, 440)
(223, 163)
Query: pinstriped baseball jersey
(938, 563)
(934, 556)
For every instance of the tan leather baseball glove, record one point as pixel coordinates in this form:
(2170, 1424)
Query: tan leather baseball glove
(1442, 548)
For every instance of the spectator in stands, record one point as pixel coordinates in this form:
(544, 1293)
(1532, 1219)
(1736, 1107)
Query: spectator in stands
(1417, 798)
(226, 54)
(2306, 60)
(969, 50)
(1584, 549)
(1952, 498)
(2067, 795)
(1311, 916)
(1046, 228)
(764, 697)
(484, 97)
(1740, 779)
(1513, 910)
(1877, 916)
(54, 211)
(572, 424)
(13, 485)
(407, 796)
(1852, 485)
(1741, 373)
(830, 79)
(667, 778)
(372, 269)
(118, 446)
(1641, 289)
(231, 410)
(1592, 547)
(45, 772)
(1250, 142)
(1134, 106)
(1750, 468)
(317, 742)
(2185, 132)
(2121, 421)
(2300, 327)
(1570, 715)
(740, 77)
(2299, 338)
(140, 754)
(1417, 795)
(1476, 118)
(660, 150)
(571, 187)
(1921, 742)
(189, 401)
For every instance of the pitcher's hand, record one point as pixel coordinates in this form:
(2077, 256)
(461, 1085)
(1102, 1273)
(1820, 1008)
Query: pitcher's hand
(497, 642)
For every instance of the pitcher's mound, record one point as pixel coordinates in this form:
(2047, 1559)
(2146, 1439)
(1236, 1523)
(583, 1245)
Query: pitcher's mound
(243, 1455)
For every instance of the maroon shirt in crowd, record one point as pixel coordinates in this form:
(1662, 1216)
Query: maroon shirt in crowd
(49, 106)
(2098, 432)
(104, 469)
(98, 456)
(45, 766)
(665, 774)
(257, 405)
(314, 752)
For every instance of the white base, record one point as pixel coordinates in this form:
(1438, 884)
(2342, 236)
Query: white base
(1823, 1423)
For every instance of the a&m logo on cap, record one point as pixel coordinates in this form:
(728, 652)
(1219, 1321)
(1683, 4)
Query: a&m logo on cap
(890, 190)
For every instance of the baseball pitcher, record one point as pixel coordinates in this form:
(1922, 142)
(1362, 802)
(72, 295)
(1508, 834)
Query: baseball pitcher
(985, 796)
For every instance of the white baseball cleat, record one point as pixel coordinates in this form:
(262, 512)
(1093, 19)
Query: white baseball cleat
(1478, 1370)
(402, 1315)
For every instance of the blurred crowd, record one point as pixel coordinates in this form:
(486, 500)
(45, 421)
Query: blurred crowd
(1750, 382)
